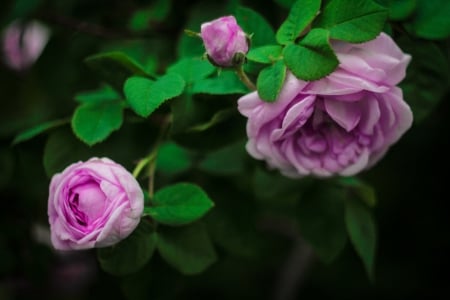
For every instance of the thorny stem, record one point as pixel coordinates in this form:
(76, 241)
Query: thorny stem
(244, 78)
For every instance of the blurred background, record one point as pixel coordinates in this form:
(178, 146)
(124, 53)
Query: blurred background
(410, 182)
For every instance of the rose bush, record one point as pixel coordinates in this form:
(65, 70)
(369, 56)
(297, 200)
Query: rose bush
(339, 125)
(223, 38)
(91, 204)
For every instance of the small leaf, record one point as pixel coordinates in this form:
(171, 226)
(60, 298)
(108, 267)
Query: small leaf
(432, 19)
(145, 96)
(229, 160)
(302, 13)
(270, 81)
(93, 123)
(36, 130)
(354, 21)
(321, 218)
(115, 67)
(131, 254)
(172, 159)
(362, 231)
(102, 94)
(179, 204)
(192, 69)
(225, 83)
(187, 249)
(359, 188)
(313, 58)
(265, 54)
(255, 24)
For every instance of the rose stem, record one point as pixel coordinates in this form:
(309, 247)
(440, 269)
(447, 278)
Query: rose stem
(244, 78)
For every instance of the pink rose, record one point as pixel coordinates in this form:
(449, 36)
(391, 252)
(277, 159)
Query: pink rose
(24, 43)
(339, 125)
(93, 204)
(223, 38)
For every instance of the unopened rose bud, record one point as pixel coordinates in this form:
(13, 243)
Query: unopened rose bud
(224, 41)
(23, 44)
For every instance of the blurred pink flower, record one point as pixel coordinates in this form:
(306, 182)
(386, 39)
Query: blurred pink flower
(339, 125)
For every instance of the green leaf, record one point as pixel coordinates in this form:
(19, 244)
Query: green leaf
(217, 118)
(360, 189)
(225, 83)
(302, 13)
(142, 19)
(103, 94)
(286, 3)
(179, 204)
(313, 58)
(38, 129)
(265, 54)
(172, 159)
(93, 123)
(187, 249)
(321, 218)
(270, 81)
(399, 9)
(354, 21)
(229, 160)
(115, 67)
(61, 150)
(192, 69)
(432, 19)
(145, 96)
(427, 77)
(254, 24)
(362, 232)
(130, 254)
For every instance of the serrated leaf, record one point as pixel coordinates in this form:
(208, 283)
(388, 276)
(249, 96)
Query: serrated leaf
(302, 13)
(172, 159)
(225, 83)
(93, 123)
(313, 58)
(145, 96)
(115, 67)
(265, 54)
(103, 94)
(192, 69)
(354, 21)
(362, 232)
(432, 19)
(179, 204)
(253, 23)
(270, 81)
(187, 249)
(36, 130)
(131, 254)
(321, 219)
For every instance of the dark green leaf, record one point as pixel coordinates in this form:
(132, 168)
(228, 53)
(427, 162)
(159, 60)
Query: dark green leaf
(93, 123)
(265, 54)
(432, 19)
(102, 94)
(145, 96)
(399, 9)
(253, 23)
(187, 249)
(192, 69)
(270, 81)
(360, 189)
(115, 68)
(217, 118)
(225, 83)
(172, 159)
(143, 18)
(131, 254)
(313, 58)
(38, 129)
(302, 13)
(362, 232)
(285, 3)
(321, 218)
(179, 204)
(21, 9)
(353, 21)
(226, 161)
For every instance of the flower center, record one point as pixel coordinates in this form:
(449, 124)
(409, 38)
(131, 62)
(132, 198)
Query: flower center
(87, 203)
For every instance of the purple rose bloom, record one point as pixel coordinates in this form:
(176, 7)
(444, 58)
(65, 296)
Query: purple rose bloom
(338, 125)
(91, 204)
(223, 38)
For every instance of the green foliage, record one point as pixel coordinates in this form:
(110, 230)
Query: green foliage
(265, 54)
(179, 204)
(352, 21)
(362, 232)
(313, 58)
(131, 254)
(226, 161)
(38, 129)
(217, 118)
(157, 12)
(301, 15)
(187, 249)
(224, 83)
(94, 122)
(145, 96)
(270, 81)
(172, 159)
(105, 93)
(432, 19)
(192, 69)
(360, 189)
(255, 25)
(399, 9)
